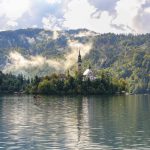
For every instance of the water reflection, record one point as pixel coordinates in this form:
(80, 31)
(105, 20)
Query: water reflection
(120, 121)
(94, 122)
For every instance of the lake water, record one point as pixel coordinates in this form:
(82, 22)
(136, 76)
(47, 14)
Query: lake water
(75, 123)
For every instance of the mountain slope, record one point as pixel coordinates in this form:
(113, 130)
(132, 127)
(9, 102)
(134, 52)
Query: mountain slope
(37, 51)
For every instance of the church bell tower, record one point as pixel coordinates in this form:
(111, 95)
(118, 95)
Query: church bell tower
(79, 63)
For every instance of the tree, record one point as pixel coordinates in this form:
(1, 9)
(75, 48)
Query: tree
(44, 87)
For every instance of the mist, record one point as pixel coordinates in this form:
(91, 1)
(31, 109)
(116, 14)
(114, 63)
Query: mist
(39, 65)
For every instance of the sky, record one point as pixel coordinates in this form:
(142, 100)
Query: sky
(102, 16)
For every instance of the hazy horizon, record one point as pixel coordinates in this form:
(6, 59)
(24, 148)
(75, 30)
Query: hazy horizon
(65, 30)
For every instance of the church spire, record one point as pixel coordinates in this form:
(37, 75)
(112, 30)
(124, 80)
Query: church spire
(79, 63)
(89, 66)
(79, 57)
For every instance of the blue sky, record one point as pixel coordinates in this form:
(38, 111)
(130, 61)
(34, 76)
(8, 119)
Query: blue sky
(103, 16)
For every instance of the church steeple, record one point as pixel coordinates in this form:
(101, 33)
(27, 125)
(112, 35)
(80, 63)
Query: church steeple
(79, 57)
(89, 66)
(79, 63)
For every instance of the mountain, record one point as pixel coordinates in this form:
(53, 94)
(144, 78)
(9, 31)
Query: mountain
(38, 51)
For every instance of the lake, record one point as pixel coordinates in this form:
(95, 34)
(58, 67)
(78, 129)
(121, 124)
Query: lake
(75, 123)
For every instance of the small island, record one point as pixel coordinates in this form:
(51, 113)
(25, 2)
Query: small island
(88, 82)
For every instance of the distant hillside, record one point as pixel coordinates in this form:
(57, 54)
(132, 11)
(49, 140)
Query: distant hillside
(37, 51)
(25, 50)
(125, 56)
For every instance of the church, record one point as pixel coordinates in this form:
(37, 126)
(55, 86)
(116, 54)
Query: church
(88, 73)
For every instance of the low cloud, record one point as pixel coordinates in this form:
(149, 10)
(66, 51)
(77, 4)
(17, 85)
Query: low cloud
(52, 23)
(71, 57)
(34, 64)
(27, 66)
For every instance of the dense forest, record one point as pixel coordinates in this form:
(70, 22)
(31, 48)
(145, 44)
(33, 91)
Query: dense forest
(58, 84)
(124, 56)
(10, 83)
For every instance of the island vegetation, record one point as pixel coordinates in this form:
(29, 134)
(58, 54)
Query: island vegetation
(62, 84)
(13, 84)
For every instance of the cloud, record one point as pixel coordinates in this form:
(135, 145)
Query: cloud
(126, 15)
(12, 23)
(71, 57)
(104, 5)
(53, 1)
(81, 14)
(78, 14)
(15, 14)
(52, 23)
(33, 65)
(141, 23)
(117, 16)
(28, 66)
(13, 9)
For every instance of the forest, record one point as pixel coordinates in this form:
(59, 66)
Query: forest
(56, 84)
(10, 83)
(124, 56)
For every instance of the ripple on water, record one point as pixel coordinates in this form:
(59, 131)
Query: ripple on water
(75, 123)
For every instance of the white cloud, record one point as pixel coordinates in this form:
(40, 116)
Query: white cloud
(51, 23)
(126, 17)
(78, 14)
(147, 10)
(34, 26)
(12, 23)
(53, 1)
(34, 64)
(13, 9)
(104, 5)
(141, 23)
(127, 12)
(81, 14)
(46, 22)
(118, 16)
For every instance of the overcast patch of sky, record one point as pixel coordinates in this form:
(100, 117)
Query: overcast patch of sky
(118, 16)
(104, 5)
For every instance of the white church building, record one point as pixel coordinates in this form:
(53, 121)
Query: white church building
(88, 73)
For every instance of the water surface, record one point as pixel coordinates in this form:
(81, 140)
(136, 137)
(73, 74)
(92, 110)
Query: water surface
(75, 123)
